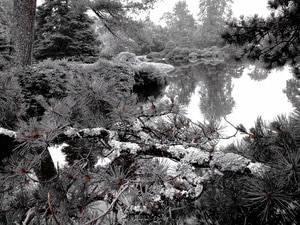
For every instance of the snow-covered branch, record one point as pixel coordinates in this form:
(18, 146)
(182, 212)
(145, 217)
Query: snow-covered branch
(201, 158)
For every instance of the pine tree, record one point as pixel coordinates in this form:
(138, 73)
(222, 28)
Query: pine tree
(64, 31)
(181, 24)
(273, 40)
(212, 17)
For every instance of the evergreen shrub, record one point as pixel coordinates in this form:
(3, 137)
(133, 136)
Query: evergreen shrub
(149, 80)
(96, 88)
(47, 80)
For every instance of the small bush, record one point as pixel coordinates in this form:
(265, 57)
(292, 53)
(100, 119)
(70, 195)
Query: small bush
(47, 79)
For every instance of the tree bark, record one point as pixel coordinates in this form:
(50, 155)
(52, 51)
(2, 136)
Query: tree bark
(23, 31)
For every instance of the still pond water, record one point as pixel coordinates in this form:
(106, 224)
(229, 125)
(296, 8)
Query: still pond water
(238, 93)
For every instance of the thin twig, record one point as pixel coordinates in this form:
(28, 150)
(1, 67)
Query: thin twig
(52, 210)
(236, 130)
(30, 215)
(124, 187)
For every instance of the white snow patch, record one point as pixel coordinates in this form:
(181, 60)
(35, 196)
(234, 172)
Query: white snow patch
(121, 146)
(191, 154)
(257, 168)
(229, 161)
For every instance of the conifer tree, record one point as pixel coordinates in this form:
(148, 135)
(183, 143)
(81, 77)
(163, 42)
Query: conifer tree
(181, 24)
(64, 30)
(273, 40)
(212, 17)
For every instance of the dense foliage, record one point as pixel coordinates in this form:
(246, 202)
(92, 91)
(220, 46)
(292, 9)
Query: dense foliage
(64, 30)
(273, 40)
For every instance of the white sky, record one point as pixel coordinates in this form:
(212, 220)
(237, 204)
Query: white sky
(249, 7)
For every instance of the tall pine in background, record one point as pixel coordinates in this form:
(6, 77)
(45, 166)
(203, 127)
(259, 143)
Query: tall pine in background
(180, 24)
(64, 31)
(212, 15)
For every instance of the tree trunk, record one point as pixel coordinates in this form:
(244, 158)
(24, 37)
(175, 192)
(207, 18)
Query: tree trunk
(23, 31)
(46, 170)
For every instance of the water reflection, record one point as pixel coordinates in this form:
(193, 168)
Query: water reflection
(239, 93)
(213, 83)
(215, 91)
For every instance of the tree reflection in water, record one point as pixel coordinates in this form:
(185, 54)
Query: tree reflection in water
(214, 82)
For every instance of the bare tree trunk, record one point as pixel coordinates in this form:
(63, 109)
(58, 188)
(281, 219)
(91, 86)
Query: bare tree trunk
(23, 31)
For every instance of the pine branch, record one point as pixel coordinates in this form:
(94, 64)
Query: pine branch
(199, 157)
(52, 211)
